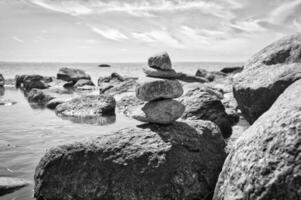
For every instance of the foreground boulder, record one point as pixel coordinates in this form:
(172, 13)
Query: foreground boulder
(73, 75)
(148, 162)
(9, 184)
(265, 162)
(266, 75)
(1, 80)
(88, 106)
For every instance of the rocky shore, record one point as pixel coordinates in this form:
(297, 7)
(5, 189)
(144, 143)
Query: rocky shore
(191, 142)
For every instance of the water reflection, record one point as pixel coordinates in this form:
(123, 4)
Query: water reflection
(2, 91)
(95, 120)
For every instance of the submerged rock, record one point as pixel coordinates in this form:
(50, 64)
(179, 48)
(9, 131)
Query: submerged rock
(70, 74)
(9, 184)
(88, 106)
(265, 161)
(2, 81)
(266, 75)
(160, 112)
(152, 89)
(177, 161)
(160, 61)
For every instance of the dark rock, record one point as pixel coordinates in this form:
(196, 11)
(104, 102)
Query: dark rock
(190, 79)
(39, 96)
(53, 103)
(6, 102)
(88, 106)
(2, 91)
(228, 70)
(114, 77)
(266, 75)
(156, 73)
(160, 112)
(2, 81)
(69, 84)
(9, 184)
(29, 82)
(210, 76)
(265, 161)
(69, 74)
(204, 103)
(160, 61)
(152, 89)
(149, 162)
(83, 82)
(104, 65)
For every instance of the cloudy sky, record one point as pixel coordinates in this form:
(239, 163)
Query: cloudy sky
(131, 30)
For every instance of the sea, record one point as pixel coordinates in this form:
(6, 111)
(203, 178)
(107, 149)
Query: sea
(27, 132)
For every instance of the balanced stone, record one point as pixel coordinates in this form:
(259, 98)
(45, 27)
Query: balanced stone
(157, 73)
(160, 112)
(159, 89)
(160, 61)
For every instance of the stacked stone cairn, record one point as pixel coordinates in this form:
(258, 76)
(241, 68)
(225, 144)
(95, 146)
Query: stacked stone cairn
(159, 93)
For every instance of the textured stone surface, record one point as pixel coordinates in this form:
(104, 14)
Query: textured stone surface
(209, 75)
(148, 162)
(265, 162)
(205, 103)
(9, 184)
(70, 74)
(266, 75)
(1, 80)
(161, 111)
(39, 96)
(32, 81)
(160, 61)
(53, 103)
(156, 73)
(85, 106)
(152, 89)
(83, 82)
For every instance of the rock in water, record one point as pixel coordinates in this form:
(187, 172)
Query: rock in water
(161, 111)
(160, 61)
(1, 80)
(69, 74)
(265, 162)
(266, 75)
(83, 82)
(229, 70)
(158, 89)
(92, 105)
(149, 162)
(9, 184)
(33, 81)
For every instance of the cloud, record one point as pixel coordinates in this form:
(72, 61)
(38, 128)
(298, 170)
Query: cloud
(285, 11)
(108, 33)
(17, 39)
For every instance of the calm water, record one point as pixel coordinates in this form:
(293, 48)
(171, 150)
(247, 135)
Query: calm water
(32, 131)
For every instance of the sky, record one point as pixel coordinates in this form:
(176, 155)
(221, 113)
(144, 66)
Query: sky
(133, 30)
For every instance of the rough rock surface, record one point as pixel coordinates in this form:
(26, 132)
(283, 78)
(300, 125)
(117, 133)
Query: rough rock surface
(9, 184)
(69, 74)
(39, 96)
(190, 78)
(149, 162)
(1, 80)
(205, 103)
(32, 81)
(156, 73)
(152, 89)
(210, 76)
(266, 75)
(83, 82)
(53, 103)
(265, 162)
(229, 70)
(160, 61)
(85, 106)
(160, 112)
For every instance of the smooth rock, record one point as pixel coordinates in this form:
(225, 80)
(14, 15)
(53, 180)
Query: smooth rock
(83, 82)
(205, 103)
(70, 74)
(156, 73)
(160, 111)
(88, 106)
(9, 184)
(266, 75)
(152, 89)
(265, 161)
(2, 81)
(160, 61)
(148, 162)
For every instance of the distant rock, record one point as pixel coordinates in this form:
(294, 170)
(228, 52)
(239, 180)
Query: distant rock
(2, 81)
(266, 75)
(104, 65)
(209, 75)
(156, 73)
(265, 161)
(190, 78)
(88, 106)
(152, 89)
(177, 161)
(4, 145)
(9, 184)
(69, 74)
(160, 112)
(160, 61)
(83, 82)
(228, 70)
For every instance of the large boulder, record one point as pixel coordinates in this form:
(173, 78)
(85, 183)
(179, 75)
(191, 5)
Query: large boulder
(29, 82)
(152, 89)
(204, 103)
(148, 162)
(160, 61)
(265, 161)
(88, 106)
(160, 112)
(1, 80)
(266, 75)
(39, 96)
(72, 75)
(10, 184)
